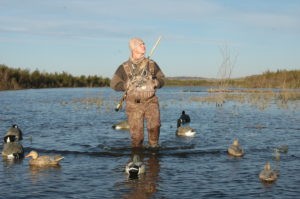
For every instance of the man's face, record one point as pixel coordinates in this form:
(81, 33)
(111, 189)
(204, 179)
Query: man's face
(137, 46)
(140, 47)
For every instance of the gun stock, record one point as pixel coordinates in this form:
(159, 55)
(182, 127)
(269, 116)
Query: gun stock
(120, 104)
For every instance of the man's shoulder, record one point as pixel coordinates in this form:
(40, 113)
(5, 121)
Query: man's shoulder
(125, 62)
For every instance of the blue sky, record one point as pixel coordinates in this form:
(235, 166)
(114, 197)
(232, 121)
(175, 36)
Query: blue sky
(90, 37)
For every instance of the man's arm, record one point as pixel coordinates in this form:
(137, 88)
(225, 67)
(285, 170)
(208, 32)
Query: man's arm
(118, 81)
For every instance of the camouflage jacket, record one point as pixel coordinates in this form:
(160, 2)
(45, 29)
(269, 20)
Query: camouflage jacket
(128, 71)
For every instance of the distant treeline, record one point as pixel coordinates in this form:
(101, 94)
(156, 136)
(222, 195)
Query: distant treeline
(16, 78)
(278, 79)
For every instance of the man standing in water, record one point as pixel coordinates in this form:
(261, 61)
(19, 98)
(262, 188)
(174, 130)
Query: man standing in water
(139, 77)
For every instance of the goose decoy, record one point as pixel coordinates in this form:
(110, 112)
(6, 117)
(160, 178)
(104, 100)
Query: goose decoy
(16, 131)
(11, 149)
(185, 131)
(183, 119)
(235, 149)
(135, 167)
(268, 175)
(121, 125)
(42, 161)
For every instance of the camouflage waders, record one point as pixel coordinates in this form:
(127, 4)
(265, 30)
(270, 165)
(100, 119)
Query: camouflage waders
(136, 111)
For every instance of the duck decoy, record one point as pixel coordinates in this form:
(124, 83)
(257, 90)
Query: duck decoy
(11, 149)
(183, 119)
(16, 131)
(123, 125)
(280, 149)
(283, 148)
(45, 160)
(135, 167)
(235, 149)
(267, 174)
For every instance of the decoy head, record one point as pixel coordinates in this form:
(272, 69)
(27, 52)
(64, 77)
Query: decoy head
(136, 158)
(32, 154)
(15, 126)
(236, 142)
(267, 166)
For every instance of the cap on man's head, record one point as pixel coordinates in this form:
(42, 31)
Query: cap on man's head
(135, 42)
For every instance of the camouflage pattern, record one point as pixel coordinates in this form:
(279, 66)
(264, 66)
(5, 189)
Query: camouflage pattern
(140, 82)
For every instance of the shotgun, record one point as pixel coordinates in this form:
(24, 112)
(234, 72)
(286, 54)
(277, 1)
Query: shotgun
(120, 104)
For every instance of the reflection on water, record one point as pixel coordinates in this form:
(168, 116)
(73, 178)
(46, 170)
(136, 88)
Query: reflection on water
(76, 123)
(39, 173)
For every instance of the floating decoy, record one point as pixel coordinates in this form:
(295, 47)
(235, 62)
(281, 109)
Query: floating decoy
(11, 149)
(43, 160)
(184, 130)
(282, 148)
(268, 175)
(135, 167)
(123, 125)
(16, 131)
(235, 149)
(183, 119)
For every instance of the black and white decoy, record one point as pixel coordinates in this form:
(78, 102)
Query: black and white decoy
(16, 131)
(12, 149)
(135, 167)
(183, 119)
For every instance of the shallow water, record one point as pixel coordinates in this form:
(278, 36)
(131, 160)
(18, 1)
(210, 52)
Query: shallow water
(76, 123)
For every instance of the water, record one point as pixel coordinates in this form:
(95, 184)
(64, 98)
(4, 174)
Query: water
(76, 123)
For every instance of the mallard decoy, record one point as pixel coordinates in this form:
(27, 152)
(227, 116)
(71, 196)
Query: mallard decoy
(43, 160)
(121, 125)
(280, 149)
(183, 119)
(235, 149)
(11, 149)
(268, 175)
(16, 131)
(283, 148)
(135, 167)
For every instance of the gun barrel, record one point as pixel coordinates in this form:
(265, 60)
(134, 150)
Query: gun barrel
(155, 45)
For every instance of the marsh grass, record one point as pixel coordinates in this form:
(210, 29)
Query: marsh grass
(261, 99)
(86, 103)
